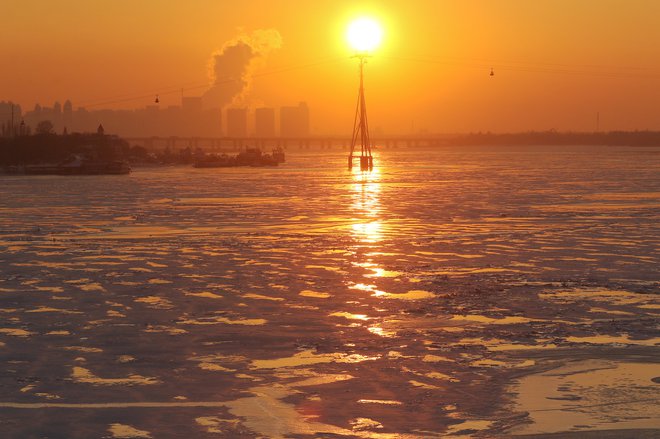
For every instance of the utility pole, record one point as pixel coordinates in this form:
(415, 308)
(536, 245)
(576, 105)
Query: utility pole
(361, 126)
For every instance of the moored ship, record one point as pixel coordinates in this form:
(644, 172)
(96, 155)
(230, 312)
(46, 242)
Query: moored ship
(79, 165)
(250, 157)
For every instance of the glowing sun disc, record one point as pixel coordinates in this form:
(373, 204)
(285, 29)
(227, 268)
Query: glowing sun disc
(364, 34)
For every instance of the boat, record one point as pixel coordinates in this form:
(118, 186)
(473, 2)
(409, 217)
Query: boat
(278, 155)
(250, 157)
(215, 161)
(255, 158)
(80, 165)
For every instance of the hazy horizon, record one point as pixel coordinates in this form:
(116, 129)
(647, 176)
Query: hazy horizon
(557, 65)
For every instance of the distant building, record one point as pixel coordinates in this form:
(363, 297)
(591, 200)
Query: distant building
(187, 120)
(264, 119)
(56, 118)
(212, 122)
(191, 115)
(67, 115)
(237, 122)
(294, 121)
(53, 114)
(192, 105)
(10, 117)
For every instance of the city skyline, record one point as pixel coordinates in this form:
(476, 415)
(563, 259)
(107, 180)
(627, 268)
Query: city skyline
(578, 65)
(187, 119)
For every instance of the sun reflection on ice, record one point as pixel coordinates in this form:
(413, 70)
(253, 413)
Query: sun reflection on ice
(368, 232)
(366, 206)
(380, 331)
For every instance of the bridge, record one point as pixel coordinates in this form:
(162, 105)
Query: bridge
(220, 144)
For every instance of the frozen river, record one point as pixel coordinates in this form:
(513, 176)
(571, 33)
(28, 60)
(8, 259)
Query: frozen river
(305, 300)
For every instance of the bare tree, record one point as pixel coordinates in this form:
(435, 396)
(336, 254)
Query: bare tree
(45, 127)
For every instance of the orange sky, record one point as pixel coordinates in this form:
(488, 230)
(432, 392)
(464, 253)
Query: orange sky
(557, 63)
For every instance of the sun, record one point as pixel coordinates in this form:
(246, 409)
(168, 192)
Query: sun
(364, 34)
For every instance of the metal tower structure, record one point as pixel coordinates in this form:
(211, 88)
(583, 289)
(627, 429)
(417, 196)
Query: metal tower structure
(361, 127)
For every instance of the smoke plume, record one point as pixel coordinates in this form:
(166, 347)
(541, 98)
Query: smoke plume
(231, 68)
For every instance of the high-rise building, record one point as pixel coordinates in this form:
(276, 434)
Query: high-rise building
(192, 105)
(264, 119)
(294, 121)
(190, 116)
(237, 122)
(10, 117)
(212, 122)
(187, 120)
(56, 116)
(67, 115)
